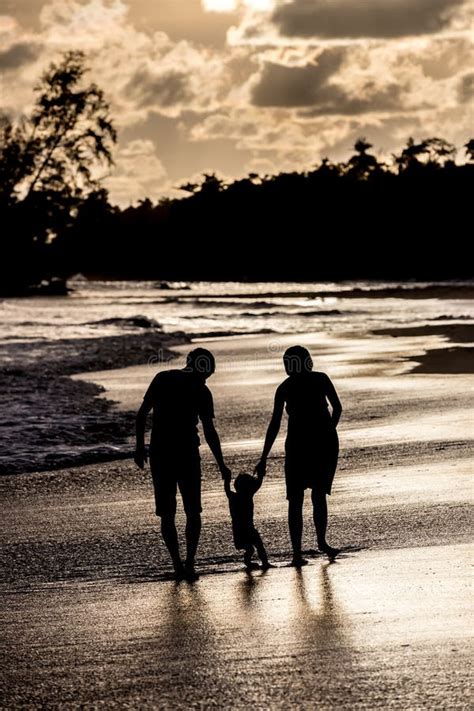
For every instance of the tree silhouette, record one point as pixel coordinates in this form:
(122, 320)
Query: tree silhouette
(362, 218)
(49, 162)
(432, 151)
(363, 164)
(469, 149)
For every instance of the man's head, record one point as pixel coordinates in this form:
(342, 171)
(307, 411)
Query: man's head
(244, 483)
(201, 362)
(297, 360)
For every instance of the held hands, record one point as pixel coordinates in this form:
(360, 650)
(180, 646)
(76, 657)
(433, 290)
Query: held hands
(261, 468)
(140, 457)
(226, 473)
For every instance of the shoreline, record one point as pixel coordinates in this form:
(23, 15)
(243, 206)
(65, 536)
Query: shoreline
(86, 578)
(83, 416)
(51, 410)
(448, 360)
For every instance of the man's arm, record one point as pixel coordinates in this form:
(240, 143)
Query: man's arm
(272, 432)
(212, 438)
(140, 452)
(334, 401)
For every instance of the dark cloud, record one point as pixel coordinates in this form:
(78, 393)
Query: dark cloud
(310, 86)
(166, 90)
(466, 88)
(363, 18)
(17, 55)
(282, 85)
(371, 99)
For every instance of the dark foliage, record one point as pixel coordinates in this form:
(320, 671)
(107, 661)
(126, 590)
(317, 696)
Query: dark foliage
(359, 219)
(362, 218)
(48, 166)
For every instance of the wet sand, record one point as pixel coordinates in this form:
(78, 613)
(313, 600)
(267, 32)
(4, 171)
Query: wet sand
(91, 619)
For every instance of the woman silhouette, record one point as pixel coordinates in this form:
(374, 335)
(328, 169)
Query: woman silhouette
(311, 447)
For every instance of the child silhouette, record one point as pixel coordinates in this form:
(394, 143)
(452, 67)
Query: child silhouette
(246, 536)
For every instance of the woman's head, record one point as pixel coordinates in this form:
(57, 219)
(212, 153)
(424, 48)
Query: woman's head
(297, 360)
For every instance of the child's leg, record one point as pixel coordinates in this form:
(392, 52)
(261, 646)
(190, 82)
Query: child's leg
(262, 553)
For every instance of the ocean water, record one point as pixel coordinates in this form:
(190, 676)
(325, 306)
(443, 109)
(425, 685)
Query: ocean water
(99, 309)
(49, 421)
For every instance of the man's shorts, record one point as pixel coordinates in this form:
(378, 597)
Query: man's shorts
(172, 473)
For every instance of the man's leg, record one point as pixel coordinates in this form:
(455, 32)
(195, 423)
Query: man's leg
(295, 524)
(165, 507)
(193, 532)
(320, 518)
(190, 488)
(170, 537)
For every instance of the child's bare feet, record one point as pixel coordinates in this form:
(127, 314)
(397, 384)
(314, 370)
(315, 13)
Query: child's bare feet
(266, 565)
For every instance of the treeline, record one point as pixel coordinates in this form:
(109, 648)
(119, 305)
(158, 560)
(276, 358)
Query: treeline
(348, 220)
(364, 218)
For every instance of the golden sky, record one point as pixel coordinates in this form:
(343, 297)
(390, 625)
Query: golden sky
(238, 86)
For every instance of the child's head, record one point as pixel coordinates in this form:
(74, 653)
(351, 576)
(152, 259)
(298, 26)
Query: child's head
(243, 483)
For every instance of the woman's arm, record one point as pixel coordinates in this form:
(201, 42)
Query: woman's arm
(272, 432)
(334, 401)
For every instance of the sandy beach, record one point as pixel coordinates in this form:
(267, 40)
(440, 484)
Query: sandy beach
(91, 618)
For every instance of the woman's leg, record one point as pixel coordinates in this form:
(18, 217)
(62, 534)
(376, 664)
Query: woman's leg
(320, 518)
(249, 551)
(295, 523)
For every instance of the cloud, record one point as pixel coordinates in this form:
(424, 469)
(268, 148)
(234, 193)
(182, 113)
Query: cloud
(167, 89)
(138, 173)
(297, 79)
(18, 54)
(372, 100)
(363, 18)
(282, 85)
(139, 70)
(313, 86)
(466, 88)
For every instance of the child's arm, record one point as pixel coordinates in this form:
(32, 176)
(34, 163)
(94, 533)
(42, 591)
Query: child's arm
(259, 479)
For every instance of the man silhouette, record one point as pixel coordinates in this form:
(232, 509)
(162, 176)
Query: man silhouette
(178, 399)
